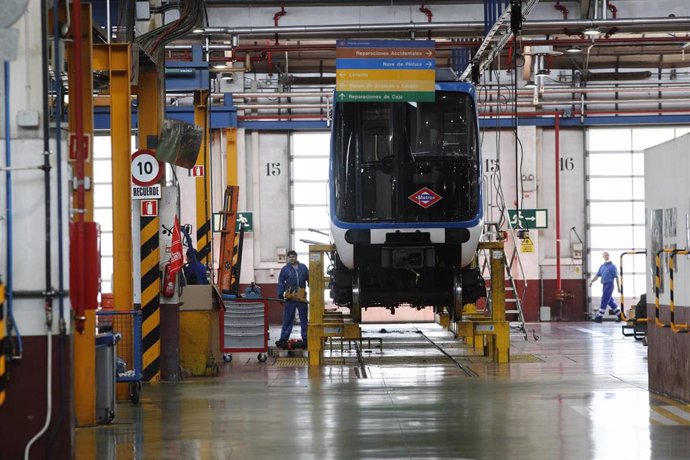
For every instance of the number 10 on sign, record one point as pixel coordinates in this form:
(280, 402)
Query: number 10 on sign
(146, 170)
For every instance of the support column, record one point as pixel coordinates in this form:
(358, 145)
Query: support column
(231, 156)
(203, 184)
(161, 355)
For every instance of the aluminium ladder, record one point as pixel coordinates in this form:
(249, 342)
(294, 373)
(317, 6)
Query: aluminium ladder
(514, 299)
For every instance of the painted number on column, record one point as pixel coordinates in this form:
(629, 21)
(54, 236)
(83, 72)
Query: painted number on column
(491, 165)
(567, 164)
(273, 169)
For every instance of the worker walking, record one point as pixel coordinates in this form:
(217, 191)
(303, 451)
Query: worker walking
(608, 272)
(292, 283)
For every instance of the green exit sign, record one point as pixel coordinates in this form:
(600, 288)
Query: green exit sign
(529, 218)
(245, 218)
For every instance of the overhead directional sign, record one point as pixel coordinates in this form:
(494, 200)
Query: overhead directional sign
(529, 218)
(385, 70)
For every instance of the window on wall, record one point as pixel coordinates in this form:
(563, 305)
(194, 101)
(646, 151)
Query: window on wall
(616, 210)
(309, 190)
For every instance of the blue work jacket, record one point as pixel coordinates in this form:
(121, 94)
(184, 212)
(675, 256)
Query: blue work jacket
(292, 278)
(607, 272)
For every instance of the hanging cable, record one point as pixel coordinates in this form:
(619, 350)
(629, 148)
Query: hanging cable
(516, 27)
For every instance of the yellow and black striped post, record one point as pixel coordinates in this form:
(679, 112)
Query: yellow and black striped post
(3, 368)
(150, 290)
(657, 285)
(150, 118)
(203, 183)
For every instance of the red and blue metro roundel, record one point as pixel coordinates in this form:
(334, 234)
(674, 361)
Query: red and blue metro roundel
(425, 197)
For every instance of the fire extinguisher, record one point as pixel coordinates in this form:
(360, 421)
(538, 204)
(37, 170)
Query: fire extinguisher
(168, 282)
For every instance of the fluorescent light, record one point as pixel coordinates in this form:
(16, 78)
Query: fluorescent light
(573, 49)
(220, 65)
(592, 32)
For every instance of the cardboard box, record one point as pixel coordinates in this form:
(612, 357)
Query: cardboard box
(199, 297)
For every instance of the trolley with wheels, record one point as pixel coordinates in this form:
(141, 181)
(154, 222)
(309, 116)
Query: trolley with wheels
(244, 328)
(128, 364)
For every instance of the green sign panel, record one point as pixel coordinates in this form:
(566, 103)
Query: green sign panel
(371, 96)
(246, 219)
(529, 218)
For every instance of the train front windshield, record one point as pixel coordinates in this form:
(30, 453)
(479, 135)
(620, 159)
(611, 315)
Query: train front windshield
(407, 161)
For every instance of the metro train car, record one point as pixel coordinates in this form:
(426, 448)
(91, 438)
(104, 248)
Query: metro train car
(406, 202)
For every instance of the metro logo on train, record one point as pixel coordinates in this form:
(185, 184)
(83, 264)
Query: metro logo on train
(425, 197)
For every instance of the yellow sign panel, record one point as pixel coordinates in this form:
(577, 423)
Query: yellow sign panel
(527, 245)
(397, 75)
(385, 85)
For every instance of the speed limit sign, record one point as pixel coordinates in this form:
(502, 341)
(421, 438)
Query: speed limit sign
(146, 169)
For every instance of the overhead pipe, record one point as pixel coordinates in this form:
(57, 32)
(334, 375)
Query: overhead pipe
(473, 28)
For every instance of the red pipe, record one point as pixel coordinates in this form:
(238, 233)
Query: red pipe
(427, 12)
(76, 96)
(279, 14)
(613, 10)
(77, 106)
(562, 9)
(557, 140)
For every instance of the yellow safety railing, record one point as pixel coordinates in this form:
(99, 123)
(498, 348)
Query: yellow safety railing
(676, 328)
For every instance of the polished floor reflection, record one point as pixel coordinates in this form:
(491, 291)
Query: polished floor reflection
(578, 392)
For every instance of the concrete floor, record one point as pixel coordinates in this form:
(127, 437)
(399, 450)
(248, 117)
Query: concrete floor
(579, 392)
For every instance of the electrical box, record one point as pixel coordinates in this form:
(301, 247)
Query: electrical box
(28, 119)
(576, 251)
(231, 81)
(544, 313)
(281, 255)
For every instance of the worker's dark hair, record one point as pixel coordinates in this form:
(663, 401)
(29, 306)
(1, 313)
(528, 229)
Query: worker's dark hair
(291, 253)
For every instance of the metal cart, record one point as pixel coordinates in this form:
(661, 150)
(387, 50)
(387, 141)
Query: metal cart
(128, 365)
(244, 328)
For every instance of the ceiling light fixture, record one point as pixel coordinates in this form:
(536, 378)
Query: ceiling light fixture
(197, 30)
(529, 84)
(592, 32)
(572, 49)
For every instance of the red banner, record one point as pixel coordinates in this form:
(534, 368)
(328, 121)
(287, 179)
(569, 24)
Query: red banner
(176, 258)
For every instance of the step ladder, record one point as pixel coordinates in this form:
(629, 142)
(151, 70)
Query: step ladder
(230, 248)
(513, 298)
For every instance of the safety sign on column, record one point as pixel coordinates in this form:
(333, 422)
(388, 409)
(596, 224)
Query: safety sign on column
(146, 172)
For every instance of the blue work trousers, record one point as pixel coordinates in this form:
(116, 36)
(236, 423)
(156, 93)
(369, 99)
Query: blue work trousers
(289, 319)
(607, 300)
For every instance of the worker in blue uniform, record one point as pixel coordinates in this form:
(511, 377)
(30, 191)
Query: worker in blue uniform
(608, 273)
(292, 284)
